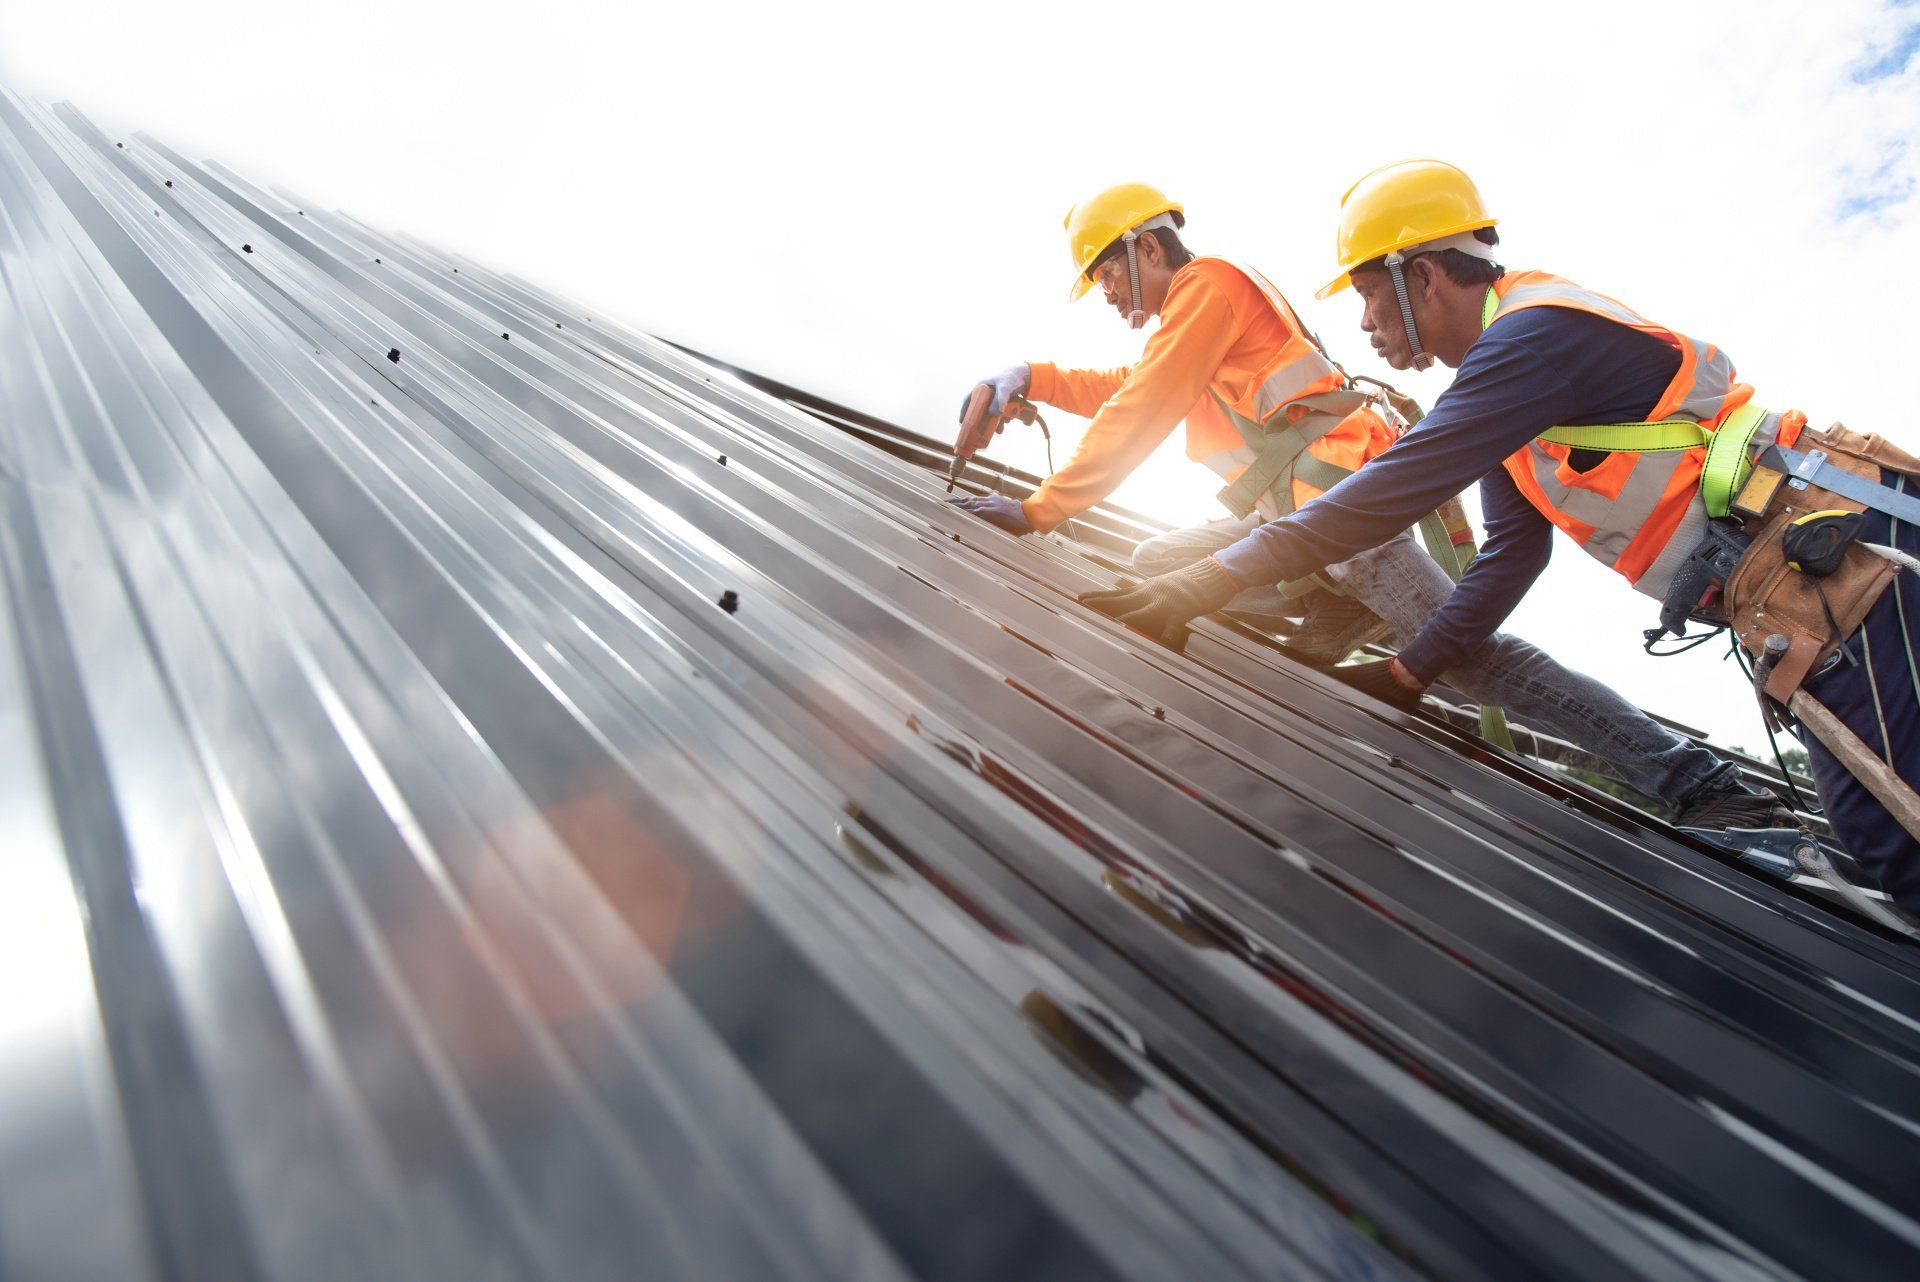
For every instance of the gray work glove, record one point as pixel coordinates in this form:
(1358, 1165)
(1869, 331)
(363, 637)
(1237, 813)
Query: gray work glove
(997, 509)
(1007, 384)
(1165, 604)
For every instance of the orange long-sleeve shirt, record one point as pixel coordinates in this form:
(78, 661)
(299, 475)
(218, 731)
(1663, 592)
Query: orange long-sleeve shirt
(1215, 327)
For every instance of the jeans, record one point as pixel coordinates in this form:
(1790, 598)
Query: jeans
(1863, 825)
(1403, 585)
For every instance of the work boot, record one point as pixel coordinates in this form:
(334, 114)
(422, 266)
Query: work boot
(1335, 627)
(1735, 807)
(1755, 827)
(1764, 834)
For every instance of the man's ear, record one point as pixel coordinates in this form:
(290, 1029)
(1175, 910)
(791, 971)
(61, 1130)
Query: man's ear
(1151, 250)
(1423, 278)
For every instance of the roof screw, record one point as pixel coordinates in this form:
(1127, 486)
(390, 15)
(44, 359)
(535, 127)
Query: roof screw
(393, 354)
(730, 601)
(376, 260)
(1159, 714)
(120, 144)
(169, 182)
(508, 337)
(556, 324)
(723, 460)
(246, 249)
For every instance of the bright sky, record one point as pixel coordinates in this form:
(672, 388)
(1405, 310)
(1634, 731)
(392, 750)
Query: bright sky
(865, 200)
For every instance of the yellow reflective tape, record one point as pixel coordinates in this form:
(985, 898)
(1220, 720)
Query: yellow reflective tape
(1635, 438)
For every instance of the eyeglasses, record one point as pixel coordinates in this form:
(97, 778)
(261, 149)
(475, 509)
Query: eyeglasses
(1111, 274)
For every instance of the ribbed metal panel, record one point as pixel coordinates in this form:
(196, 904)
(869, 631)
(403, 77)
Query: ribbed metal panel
(414, 869)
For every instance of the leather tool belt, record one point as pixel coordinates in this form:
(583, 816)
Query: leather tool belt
(1766, 595)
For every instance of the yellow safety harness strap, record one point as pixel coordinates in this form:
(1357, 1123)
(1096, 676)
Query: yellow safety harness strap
(1728, 457)
(1663, 436)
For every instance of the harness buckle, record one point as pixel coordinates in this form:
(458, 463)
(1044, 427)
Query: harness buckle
(1806, 468)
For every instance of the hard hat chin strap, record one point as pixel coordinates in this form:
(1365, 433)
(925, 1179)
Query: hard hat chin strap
(1396, 264)
(1138, 316)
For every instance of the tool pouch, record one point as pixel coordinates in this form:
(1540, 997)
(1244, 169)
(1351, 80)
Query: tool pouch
(1765, 595)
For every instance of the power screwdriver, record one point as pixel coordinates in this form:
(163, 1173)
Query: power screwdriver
(979, 425)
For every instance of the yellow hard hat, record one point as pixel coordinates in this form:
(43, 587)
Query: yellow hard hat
(1400, 205)
(1097, 222)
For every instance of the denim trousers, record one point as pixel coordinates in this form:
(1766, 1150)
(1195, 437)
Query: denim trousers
(1873, 690)
(1404, 586)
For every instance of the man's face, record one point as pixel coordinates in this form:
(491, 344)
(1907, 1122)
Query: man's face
(1380, 318)
(1111, 277)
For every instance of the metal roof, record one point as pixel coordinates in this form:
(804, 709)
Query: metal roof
(490, 794)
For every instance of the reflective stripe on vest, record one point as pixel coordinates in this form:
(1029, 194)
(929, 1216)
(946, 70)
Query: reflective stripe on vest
(1640, 510)
(1287, 392)
(1306, 374)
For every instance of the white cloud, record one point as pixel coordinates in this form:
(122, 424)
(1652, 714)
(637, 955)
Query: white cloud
(865, 199)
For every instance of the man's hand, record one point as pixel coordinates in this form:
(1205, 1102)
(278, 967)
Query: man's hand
(1007, 384)
(1165, 604)
(1386, 680)
(998, 509)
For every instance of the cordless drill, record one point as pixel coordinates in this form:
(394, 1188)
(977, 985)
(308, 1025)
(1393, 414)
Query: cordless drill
(979, 425)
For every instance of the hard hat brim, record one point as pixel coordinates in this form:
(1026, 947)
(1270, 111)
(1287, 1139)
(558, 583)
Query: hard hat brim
(1157, 205)
(1345, 278)
(1334, 286)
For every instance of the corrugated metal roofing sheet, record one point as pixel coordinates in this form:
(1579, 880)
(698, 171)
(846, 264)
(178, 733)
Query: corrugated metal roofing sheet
(488, 794)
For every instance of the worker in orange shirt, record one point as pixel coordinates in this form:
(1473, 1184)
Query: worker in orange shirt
(1264, 407)
(1269, 411)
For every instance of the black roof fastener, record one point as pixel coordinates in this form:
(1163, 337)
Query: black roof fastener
(508, 337)
(119, 144)
(730, 601)
(393, 354)
(246, 249)
(376, 260)
(723, 460)
(1159, 714)
(169, 182)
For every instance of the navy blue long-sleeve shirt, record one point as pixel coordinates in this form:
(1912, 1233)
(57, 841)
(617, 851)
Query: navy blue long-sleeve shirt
(1535, 369)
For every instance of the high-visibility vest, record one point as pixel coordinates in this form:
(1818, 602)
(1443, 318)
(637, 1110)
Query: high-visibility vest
(1288, 430)
(1642, 509)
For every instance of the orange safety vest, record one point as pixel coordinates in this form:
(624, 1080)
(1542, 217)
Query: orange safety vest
(1639, 512)
(1292, 419)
